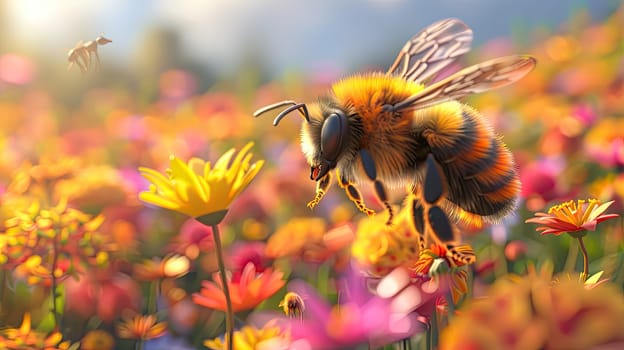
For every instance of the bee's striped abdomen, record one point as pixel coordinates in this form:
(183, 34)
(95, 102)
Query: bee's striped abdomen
(479, 169)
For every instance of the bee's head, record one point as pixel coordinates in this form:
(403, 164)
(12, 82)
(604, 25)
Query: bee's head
(324, 135)
(323, 140)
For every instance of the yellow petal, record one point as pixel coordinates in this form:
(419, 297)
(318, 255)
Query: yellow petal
(599, 210)
(25, 327)
(194, 175)
(160, 201)
(182, 189)
(224, 160)
(161, 184)
(238, 161)
(246, 180)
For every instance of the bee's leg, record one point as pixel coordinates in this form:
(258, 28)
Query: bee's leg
(418, 215)
(442, 230)
(439, 227)
(380, 191)
(321, 188)
(456, 254)
(354, 194)
(433, 190)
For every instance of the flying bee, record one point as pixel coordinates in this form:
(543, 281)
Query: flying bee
(82, 54)
(293, 305)
(396, 129)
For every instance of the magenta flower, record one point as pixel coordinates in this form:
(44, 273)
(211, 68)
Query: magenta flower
(242, 253)
(358, 318)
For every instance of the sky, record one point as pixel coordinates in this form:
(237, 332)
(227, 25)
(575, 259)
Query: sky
(288, 34)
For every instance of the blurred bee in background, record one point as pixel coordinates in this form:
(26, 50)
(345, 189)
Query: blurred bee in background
(396, 131)
(293, 305)
(82, 54)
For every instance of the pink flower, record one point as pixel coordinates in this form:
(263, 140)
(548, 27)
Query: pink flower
(359, 318)
(243, 253)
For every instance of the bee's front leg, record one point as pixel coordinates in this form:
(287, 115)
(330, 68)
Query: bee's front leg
(321, 188)
(354, 195)
(380, 191)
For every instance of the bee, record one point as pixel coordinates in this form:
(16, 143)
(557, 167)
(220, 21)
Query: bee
(82, 54)
(293, 305)
(402, 128)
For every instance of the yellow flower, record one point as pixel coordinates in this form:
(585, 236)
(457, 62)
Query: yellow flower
(196, 188)
(141, 327)
(250, 338)
(30, 235)
(25, 338)
(381, 248)
(296, 238)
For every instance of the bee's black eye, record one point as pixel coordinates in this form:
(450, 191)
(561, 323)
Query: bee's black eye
(332, 135)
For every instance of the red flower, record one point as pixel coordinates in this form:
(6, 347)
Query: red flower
(246, 294)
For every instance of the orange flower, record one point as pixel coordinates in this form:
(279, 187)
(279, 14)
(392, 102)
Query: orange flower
(535, 312)
(171, 266)
(308, 239)
(247, 293)
(299, 237)
(426, 265)
(141, 327)
(572, 217)
(24, 338)
(97, 340)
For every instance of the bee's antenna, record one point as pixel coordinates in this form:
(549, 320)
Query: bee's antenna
(301, 107)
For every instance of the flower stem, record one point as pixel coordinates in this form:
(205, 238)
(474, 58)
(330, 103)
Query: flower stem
(152, 302)
(54, 283)
(585, 259)
(406, 344)
(139, 344)
(229, 315)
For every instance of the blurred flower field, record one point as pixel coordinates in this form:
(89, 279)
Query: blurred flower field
(124, 218)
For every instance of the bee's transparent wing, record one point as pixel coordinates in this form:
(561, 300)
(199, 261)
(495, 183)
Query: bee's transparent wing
(488, 75)
(432, 49)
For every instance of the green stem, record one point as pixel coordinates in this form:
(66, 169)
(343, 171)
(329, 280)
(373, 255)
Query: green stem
(585, 259)
(429, 335)
(229, 315)
(434, 328)
(139, 344)
(54, 284)
(451, 306)
(152, 302)
(3, 285)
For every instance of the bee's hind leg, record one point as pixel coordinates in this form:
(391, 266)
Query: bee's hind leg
(380, 191)
(433, 192)
(321, 188)
(427, 211)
